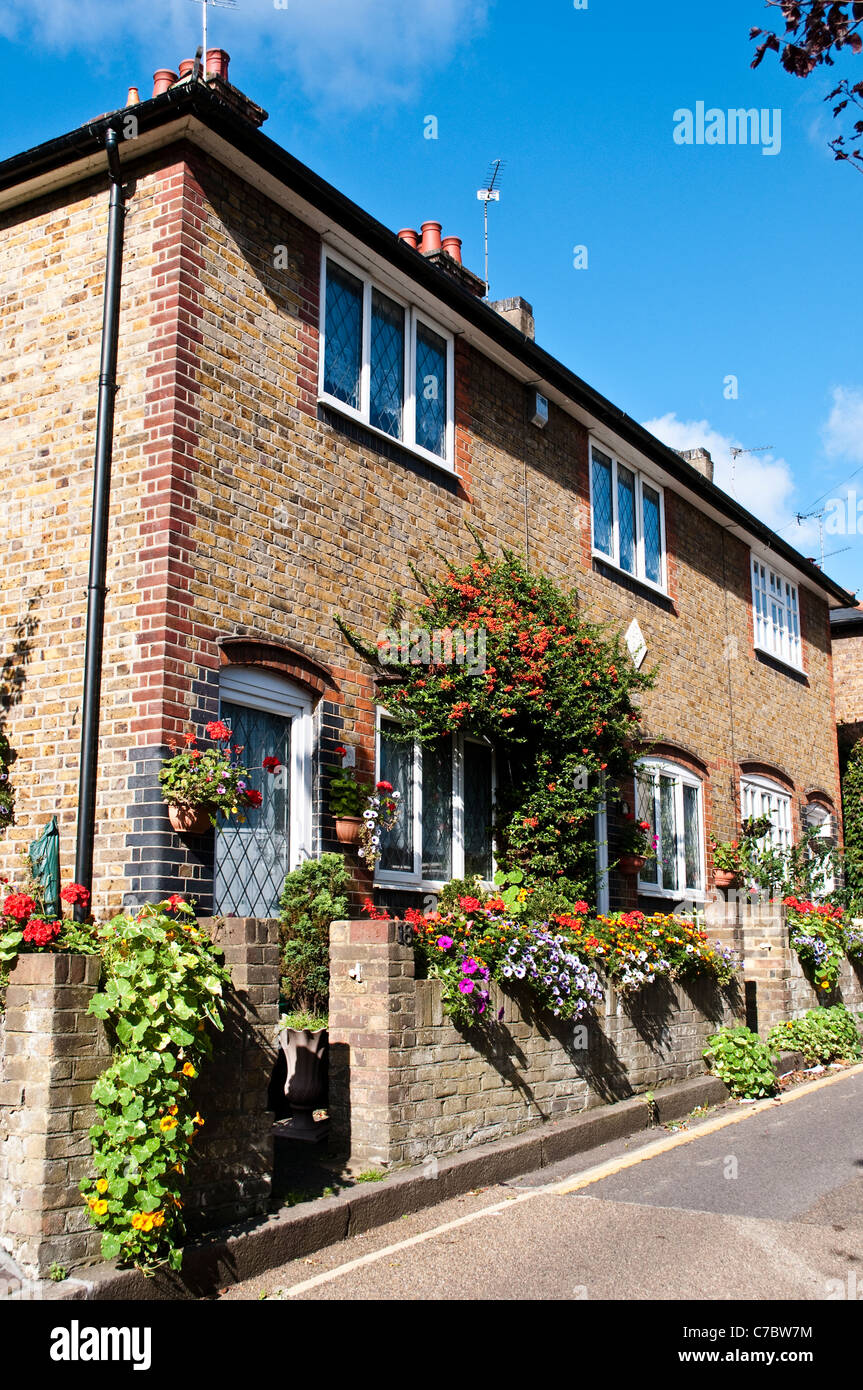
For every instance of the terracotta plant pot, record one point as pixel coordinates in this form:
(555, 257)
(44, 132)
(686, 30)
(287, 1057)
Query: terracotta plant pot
(190, 820)
(306, 1083)
(348, 829)
(631, 864)
(723, 878)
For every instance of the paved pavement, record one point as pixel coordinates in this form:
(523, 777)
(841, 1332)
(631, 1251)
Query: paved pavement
(764, 1203)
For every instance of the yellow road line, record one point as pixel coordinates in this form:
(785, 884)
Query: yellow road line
(591, 1175)
(673, 1141)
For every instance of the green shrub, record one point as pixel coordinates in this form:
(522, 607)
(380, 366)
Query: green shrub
(822, 1035)
(740, 1059)
(852, 810)
(314, 895)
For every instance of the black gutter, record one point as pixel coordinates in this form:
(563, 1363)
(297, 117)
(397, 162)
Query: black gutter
(97, 589)
(844, 621)
(200, 101)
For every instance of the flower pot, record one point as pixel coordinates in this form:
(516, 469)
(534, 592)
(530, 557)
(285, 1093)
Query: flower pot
(631, 864)
(724, 878)
(306, 1083)
(189, 820)
(348, 829)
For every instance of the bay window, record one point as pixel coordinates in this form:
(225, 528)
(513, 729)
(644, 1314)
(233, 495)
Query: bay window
(627, 517)
(447, 797)
(670, 799)
(385, 364)
(776, 614)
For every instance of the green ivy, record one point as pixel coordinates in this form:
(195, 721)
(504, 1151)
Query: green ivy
(164, 983)
(852, 809)
(7, 791)
(740, 1059)
(557, 699)
(314, 895)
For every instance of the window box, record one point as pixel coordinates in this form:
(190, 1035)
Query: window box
(385, 364)
(627, 519)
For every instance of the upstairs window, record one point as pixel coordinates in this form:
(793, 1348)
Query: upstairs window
(628, 518)
(447, 799)
(776, 614)
(382, 362)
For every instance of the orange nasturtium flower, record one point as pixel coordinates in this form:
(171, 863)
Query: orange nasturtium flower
(102, 1185)
(189, 1070)
(167, 1123)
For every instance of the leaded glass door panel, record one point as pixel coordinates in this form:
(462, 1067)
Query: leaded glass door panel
(252, 858)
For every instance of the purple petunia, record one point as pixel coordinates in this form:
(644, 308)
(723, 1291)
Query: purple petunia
(444, 942)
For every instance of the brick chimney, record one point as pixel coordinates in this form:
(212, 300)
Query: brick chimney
(518, 312)
(701, 461)
(216, 78)
(444, 252)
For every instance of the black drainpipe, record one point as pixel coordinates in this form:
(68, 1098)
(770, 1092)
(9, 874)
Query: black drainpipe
(96, 588)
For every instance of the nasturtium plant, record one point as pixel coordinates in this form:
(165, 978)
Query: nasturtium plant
(554, 694)
(163, 986)
(740, 1059)
(822, 1035)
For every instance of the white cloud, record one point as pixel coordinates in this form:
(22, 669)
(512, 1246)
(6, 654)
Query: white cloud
(343, 53)
(763, 484)
(843, 432)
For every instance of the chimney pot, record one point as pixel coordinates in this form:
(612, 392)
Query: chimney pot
(134, 98)
(162, 80)
(186, 66)
(431, 237)
(410, 236)
(452, 245)
(217, 63)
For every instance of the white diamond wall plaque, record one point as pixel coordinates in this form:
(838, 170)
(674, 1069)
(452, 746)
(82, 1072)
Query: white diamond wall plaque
(636, 643)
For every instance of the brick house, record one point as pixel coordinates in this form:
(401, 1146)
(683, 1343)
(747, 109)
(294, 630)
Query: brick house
(278, 458)
(846, 630)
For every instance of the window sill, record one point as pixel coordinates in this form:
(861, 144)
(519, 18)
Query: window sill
(643, 587)
(689, 895)
(339, 408)
(784, 668)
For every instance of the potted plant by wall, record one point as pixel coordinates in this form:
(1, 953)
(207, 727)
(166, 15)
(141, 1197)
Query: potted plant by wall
(636, 844)
(348, 799)
(201, 784)
(727, 865)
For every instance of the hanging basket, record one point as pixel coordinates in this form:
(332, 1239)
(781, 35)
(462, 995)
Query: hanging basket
(348, 829)
(631, 864)
(189, 820)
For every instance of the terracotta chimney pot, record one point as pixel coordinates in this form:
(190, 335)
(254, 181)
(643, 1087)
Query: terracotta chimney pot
(431, 237)
(217, 63)
(186, 66)
(162, 80)
(134, 98)
(452, 245)
(410, 236)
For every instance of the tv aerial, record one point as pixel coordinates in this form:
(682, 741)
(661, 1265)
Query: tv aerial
(490, 194)
(205, 4)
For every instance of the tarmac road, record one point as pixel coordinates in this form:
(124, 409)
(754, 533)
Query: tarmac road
(752, 1203)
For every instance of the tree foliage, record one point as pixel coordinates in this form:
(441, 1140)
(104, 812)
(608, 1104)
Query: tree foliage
(816, 33)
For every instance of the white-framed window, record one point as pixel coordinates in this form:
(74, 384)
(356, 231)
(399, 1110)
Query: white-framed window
(669, 798)
(819, 818)
(628, 518)
(776, 614)
(268, 716)
(447, 797)
(385, 363)
(759, 798)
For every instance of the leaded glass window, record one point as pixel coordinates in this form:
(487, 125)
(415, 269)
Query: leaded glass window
(603, 506)
(388, 365)
(437, 810)
(253, 855)
(477, 810)
(344, 336)
(397, 767)
(627, 518)
(431, 391)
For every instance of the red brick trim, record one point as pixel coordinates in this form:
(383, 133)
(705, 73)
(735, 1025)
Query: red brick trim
(775, 774)
(674, 753)
(817, 797)
(278, 656)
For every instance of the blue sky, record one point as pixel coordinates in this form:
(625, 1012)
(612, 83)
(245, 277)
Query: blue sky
(703, 261)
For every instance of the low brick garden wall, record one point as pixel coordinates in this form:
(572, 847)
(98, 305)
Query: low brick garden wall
(406, 1085)
(52, 1051)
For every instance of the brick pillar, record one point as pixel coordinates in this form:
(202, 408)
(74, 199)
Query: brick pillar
(372, 1019)
(758, 932)
(230, 1177)
(52, 1052)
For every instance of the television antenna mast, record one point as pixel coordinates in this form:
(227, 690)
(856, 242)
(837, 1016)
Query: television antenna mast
(735, 455)
(219, 4)
(490, 194)
(819, 516)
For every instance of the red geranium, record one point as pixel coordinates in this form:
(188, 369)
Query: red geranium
(75, 893)
(271, 764)
(176, 900)
(495, 905)
(252, 797)
(376, 913)
(19, 906)
(384, 786)
(40, 933)
(469, 904)
(218, 731)
(341, 751)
